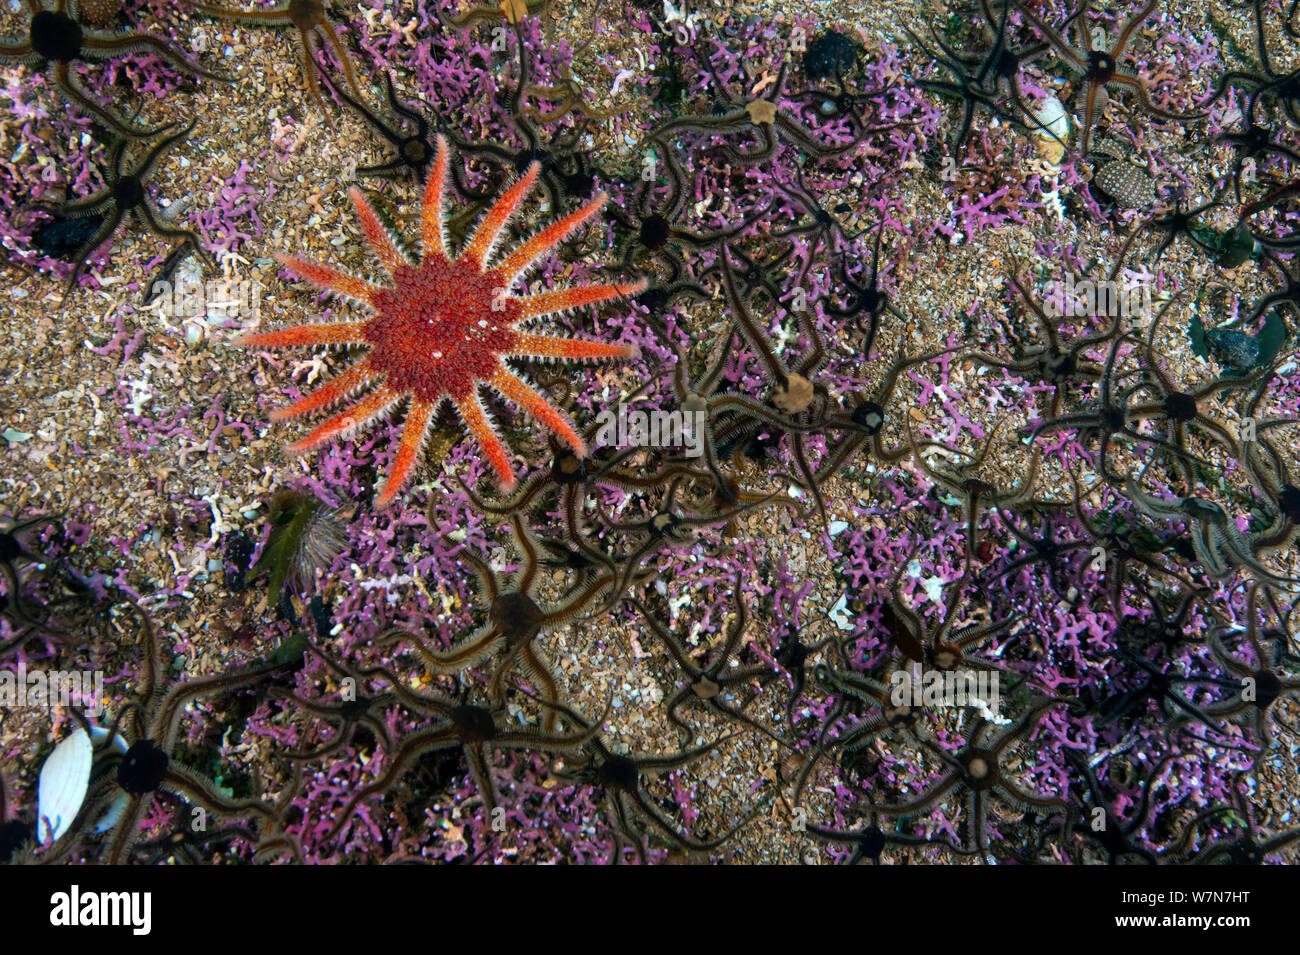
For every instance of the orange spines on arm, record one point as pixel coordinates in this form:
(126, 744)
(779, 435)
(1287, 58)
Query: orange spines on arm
(485, 236)
(532, 345)
(546, 303)
(471, 412)
(408, 451)
(431, 235)
(370, 407)
(542, 242)
(326, 333)
(330, 279)
(326, 394)
(377, 237)
(523, 395)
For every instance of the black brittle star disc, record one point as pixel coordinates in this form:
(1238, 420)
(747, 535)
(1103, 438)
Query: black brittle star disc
(1267, 688)
(830, 55)
(1101, 67)
(1060, 367)
(871, 843)
(415, 151)
(473, 724)
(1180, 406)
(56, 36)
(654, 232)
(981, 768)
(143, 768)
(128, 192)
(870, 416)
(517, 616)
(1289, 502)
(619, 772)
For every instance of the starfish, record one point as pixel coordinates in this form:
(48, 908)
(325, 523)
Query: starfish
(444, 328)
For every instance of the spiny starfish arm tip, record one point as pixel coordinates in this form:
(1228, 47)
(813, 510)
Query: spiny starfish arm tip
(522, 258)
(550, 347)
(481, 429)
(330, 279)
(300, 336)
(376, 236)
(524, 395)
(326, 395)
(414, 433)
(479, 248)
(566, 299)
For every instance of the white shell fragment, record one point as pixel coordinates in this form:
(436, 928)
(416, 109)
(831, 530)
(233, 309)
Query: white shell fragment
(63, 782)
(1050, 139)
(1053, 131)
(62, 786)
(839, 614)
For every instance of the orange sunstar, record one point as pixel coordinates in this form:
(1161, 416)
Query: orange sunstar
(444, 328)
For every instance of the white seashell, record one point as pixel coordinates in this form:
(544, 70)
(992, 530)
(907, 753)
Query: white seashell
(64, 780)
(62, 786)
(1053, 131)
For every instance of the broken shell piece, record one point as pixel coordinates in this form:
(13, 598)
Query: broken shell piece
(64, 779)
(1052, 132)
